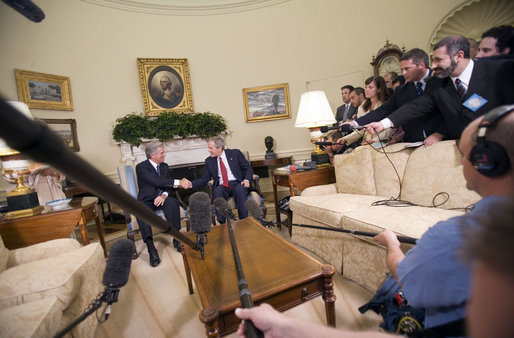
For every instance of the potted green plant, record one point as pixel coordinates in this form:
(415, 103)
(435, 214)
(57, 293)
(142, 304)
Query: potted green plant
(135, 127)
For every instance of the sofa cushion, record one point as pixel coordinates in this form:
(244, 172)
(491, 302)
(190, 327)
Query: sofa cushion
(363, 260)
(39, 318)
(4, 255)
(405, 221)
(38, 280)
(329, 209)
(354, 172)
(435, 169)
(386, 174)
(42, 250)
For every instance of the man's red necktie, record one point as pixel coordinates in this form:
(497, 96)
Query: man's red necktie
(224, 174)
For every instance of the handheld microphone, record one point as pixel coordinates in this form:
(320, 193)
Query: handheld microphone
(117, 270)
(200, 218)
(256, 212)
(344, 128)
(222, 206)
(321, 143)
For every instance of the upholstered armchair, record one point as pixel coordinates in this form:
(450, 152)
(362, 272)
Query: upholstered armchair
(255, 194)
(128, 182)
(44, 287)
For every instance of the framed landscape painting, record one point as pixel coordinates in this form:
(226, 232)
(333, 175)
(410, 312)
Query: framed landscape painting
(67, 129)
(165, 85)
(266, 103)
(43, 91)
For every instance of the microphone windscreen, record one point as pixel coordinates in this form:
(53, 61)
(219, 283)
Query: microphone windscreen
(324, 129)
(253, 209)
(346, 128)
(200, 212)
(221, 205)
(117, 268)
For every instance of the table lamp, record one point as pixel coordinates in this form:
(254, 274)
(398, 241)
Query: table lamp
(21, 201)
(313, 113)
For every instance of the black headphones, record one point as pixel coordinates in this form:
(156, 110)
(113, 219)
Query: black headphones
(490, 158)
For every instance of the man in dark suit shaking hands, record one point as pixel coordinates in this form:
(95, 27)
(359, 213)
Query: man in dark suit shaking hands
(231, 173)
(155, 184)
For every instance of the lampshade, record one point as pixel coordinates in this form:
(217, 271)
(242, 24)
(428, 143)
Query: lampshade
(22, 108)
(314, 110)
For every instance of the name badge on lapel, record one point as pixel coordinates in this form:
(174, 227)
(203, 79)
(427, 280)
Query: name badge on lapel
(474, 102)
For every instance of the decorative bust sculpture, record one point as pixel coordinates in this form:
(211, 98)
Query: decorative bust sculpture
(268, 141)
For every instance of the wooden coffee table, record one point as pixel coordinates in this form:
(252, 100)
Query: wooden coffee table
(277, 273)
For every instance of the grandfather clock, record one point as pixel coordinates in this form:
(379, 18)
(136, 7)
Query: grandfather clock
(387, 59)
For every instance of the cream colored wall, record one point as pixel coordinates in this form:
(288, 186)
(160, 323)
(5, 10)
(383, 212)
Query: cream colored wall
(299, 41)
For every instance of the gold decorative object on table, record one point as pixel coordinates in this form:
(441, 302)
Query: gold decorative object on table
(21, 201)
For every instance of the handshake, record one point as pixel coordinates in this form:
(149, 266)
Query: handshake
(185, 183)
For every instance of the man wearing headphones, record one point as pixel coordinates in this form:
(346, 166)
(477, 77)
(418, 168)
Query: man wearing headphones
(431, 274)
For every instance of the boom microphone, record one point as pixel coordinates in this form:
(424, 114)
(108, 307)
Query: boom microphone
(256, 212)
(117, 270)
(200, 217)
(222, 206)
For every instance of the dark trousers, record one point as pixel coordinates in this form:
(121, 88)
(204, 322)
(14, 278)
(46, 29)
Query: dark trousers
(171, 211)
(238, 192)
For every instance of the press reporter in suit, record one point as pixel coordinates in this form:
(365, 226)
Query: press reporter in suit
(239, 173)
(486, 84)
(155, 185)
(415, 69)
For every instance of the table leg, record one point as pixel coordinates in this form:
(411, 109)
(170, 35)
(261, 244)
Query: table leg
(83, 230)
(275, 199)
(101, 234)
(328, 294)
(209, 317)
(187, 269)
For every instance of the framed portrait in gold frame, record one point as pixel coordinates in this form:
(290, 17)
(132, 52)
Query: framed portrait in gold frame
(43, 91)
(165, 85)
(266, 103)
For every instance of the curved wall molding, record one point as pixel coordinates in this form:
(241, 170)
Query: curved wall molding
(186, 8)
(472, 18)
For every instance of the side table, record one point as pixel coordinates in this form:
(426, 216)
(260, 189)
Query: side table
(299, 180)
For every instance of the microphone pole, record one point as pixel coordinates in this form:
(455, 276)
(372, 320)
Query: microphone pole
(245, 296)
(402, 239)
(38, 142)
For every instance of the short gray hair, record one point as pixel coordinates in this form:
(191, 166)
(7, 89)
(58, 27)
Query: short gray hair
(453, 45)
(218, 141)
(151, 148)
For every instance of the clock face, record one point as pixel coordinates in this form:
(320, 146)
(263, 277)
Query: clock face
(390, 63)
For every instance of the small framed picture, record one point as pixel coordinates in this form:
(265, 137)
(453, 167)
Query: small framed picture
(67, 129)
(165, 85)
(43, 91)
(266, 103)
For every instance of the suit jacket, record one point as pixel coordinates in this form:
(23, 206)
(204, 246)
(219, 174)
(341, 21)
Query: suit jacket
(150, 184)
(490, 79)
(415, 130)
(239, 166)
(340, 111)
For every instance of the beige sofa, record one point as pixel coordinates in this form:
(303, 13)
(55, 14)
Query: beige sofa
(46, 286)
(366, 176)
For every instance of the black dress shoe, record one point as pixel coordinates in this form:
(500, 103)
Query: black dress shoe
(177, 246)
(154, 258)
